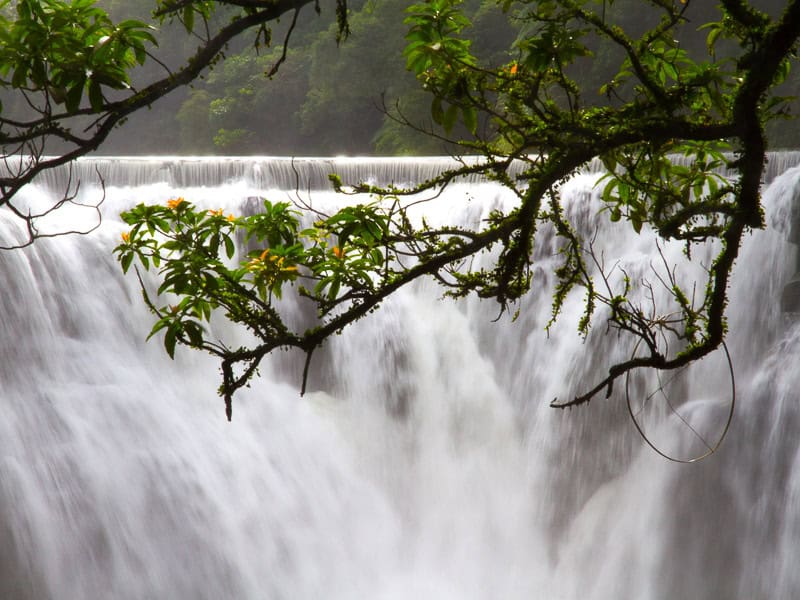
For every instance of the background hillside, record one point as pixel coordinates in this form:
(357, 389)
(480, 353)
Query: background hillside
(328, 99)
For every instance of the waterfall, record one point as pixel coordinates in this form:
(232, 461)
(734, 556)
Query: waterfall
(281, 173)
(425, 462)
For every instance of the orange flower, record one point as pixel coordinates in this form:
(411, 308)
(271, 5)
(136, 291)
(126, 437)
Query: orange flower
(338, 252)
(513, 69)
(215, 213)
(175, 203)
(126, 235)
(231, 218)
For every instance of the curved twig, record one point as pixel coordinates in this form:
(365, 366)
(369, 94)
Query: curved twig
(710, 448)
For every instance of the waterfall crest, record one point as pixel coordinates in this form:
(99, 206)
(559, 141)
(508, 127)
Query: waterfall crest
(424, 464)
(266, 173)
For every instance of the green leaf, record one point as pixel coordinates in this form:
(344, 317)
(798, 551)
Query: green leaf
(230, 248)
(671, 71)
(715, 29)
(73, 97)
(450, 116)
(195, 332)
(96, 96)
(158, 326)
(126, 260)
(333, 291)
(437, 112)
(188, 18)
(470, 114)
(170, 339)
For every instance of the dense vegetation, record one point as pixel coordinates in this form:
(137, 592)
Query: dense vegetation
(309, 106)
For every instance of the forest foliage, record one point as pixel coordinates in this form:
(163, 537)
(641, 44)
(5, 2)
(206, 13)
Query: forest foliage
(309, 106)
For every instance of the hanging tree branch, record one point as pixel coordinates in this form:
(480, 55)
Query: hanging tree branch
(538, 131)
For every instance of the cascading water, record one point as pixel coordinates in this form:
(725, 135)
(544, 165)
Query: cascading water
(424, 464)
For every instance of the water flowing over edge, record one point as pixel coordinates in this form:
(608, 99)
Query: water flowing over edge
(286, 173)
(424, 464)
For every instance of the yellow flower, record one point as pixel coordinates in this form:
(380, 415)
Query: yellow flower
(264, 254)
(290, 268)
(215, 213)
(175, 203)
(231, 218)
(126, 235)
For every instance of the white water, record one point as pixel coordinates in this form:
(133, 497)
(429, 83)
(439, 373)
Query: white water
(425, 464)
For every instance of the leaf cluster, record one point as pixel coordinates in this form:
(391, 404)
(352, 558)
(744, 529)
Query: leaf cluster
(78, 50)
(339, 261)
